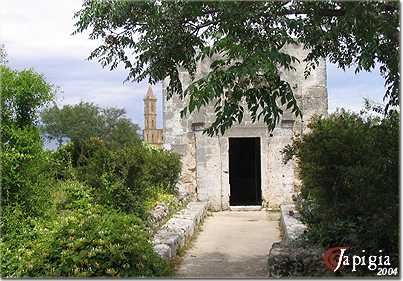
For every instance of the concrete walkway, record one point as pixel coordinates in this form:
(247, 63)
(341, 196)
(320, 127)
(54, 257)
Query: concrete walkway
(231, 244)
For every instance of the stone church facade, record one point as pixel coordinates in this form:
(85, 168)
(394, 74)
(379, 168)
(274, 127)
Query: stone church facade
(244, 166)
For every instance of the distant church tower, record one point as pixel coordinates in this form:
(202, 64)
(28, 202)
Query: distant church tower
(151, 134)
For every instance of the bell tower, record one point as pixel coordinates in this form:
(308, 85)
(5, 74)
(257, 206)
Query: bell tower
(150, 113)
(151, 134)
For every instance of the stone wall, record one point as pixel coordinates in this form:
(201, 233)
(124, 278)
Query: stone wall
(290, 261)
(291, 226)
(205, 159)
(292, 257)
(174, 235)
(280, 176)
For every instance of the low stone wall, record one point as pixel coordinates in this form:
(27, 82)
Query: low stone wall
(289, 260)
(161, 212)
(291, 257)
(179, 229)
(291, 226)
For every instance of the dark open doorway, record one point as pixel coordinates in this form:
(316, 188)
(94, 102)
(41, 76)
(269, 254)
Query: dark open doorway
(244, 171)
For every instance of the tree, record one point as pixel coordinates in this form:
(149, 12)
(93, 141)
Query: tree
(165, 35)
(23, 93)
(85, 120)
(23, 162)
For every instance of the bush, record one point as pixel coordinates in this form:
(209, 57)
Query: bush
(62, 162)
(95, 242)
(85, 225)
(24, 178)
(162, 168)
(81, 240)
(124, 178)
(16, 234)
(24, 169)
(349, 167)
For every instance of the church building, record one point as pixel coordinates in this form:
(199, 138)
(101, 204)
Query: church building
(243, 167)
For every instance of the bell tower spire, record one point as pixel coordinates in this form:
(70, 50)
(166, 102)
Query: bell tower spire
(150, 112)
(151, 134)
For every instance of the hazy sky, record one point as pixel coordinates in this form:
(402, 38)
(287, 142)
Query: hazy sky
(37, 34)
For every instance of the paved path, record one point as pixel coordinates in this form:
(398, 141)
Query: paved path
(231, 244)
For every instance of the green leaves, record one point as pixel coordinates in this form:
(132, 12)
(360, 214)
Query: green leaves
(23, 93)
(69, 228)
(156, 39)
(239, 87)
(85, 242)
(23, 160)
(354, 34)
(349, 168)
(85, 120)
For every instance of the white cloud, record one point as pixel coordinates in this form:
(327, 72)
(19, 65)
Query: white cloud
(37, 34)
(29, 27)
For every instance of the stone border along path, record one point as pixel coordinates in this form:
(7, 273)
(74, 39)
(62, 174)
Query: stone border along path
(291, 258)
(291, 226)
(178, 230)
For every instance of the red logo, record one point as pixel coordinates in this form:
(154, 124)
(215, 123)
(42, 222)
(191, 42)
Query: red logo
(333, 258)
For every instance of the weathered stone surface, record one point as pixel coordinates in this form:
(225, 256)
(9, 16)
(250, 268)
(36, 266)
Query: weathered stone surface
(194, 215)
(169, 237)
(279, 181)
(291, 260)
(159, 213)
(292, 257)
(163, 250)
(291, 226)
(178, 230)
(205, 160)
(183, 226)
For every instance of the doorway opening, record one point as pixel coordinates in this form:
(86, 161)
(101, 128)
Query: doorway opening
(244, 171)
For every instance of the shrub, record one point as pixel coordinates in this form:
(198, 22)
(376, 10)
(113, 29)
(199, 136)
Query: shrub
(24, 179)
(16, 234)
(116, 176)
(95, 242)
(82, 239)
(62, 162)
(71, 195)
(349, 167)
(124, 178)
(162, 168)
(24, 169)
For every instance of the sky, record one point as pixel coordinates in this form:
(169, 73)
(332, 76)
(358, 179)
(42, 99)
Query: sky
(37, 34)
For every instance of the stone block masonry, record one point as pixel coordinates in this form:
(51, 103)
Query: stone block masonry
(205, 160)
(291, 226)
(174, 235)
(292, 258)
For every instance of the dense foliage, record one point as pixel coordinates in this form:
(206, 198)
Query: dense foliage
(154, 39)
(349, 167)
(23, 160)
(81, 210)
(77, 238)
(123, 178)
